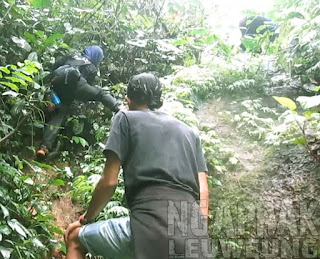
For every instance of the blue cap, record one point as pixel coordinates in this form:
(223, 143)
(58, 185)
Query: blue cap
(94, 53)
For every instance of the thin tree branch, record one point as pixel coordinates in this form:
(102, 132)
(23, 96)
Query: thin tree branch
(6, 13)
(16, 128)
(158, 16)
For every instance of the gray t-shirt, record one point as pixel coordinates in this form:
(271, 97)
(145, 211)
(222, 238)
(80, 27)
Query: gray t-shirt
(156, 149)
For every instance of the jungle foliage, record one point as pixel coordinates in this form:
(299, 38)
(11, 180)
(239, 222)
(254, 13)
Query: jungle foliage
(170, 38)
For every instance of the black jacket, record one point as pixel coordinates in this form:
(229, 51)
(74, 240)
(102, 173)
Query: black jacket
(73, 79)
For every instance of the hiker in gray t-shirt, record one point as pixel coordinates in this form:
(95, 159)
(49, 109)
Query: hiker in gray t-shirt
(164, 174)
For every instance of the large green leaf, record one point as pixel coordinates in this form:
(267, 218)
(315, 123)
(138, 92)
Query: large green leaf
(287, 102)
(18, 227)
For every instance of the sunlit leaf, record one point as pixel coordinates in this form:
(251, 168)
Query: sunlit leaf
(11, 93)
(16, 80)
(180, 42)
(22, 43)
(36, 242)
(5, 211)
(23, 76)
(16, 226)
(287, 102)
(5, 252)
(5, 70)
(11, 85)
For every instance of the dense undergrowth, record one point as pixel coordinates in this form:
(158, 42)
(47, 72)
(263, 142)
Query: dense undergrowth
(165, 38)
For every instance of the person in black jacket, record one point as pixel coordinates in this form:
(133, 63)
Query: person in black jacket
(73, 79)
(249, 27)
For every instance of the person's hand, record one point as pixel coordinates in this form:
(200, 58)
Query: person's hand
(70, 228)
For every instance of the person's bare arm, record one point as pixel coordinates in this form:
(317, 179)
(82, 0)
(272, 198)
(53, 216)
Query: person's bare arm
(204, 193)
(105, 187)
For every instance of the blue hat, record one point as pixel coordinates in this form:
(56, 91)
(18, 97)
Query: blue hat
(94, 53)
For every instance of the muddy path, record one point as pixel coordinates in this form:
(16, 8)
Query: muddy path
(268, 207)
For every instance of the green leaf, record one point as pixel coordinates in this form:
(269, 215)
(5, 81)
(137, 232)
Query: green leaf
(11, 85)
(37, 243)
(43, 165)
(308, 114)
(29, 181)
(287, 102)
(16, 226)
(52, 39)
(4, 229)
(299, 141)
(210, 39)
(11, 93)
(57, 182)
(23, 76)
(317, 89)
(40, 3)
(295, 14)
(79, 140)
(57, 230)
(200, 31)
(5, 70)
(180, 42)
(5, 252)
(251, 44)
(83, 142)
(5, 211)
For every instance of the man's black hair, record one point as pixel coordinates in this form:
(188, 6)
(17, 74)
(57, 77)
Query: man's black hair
(145, 89)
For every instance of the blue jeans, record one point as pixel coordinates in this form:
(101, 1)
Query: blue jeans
(110, 238)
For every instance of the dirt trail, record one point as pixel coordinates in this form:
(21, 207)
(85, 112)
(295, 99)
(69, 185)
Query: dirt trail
(248, 152)
(270, 206)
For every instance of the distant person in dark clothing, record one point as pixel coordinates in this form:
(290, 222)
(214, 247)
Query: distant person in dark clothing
(249, 26)
(164, 175)
(73, 79)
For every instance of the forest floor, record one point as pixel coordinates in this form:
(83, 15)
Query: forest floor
(268, 207)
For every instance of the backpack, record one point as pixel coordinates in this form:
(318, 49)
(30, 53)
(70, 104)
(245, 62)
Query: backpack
(70, 73)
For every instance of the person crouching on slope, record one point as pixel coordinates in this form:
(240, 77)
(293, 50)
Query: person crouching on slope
(73, 78)
(164, 175)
